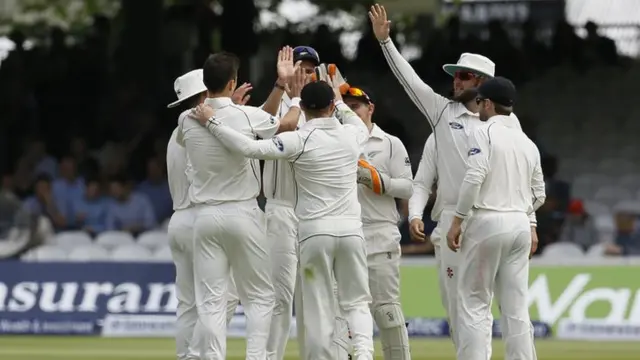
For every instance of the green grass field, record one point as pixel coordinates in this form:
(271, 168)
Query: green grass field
(50, 348)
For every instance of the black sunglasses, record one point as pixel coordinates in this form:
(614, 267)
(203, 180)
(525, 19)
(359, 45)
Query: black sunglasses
(479, 100)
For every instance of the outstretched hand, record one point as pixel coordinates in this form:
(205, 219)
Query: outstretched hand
(381, 25)
(285, 66)
(297, 82)
(241, 96)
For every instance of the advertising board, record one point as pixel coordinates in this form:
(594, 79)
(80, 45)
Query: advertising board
(139, 300)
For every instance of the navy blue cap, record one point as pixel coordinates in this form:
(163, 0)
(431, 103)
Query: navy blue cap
(500, 90)
(306, 53)
(316, 95)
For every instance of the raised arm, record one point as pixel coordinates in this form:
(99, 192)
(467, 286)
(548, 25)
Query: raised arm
(423, 182)
(477, 170)
(284, 146)
(346, 116)
(428, 101)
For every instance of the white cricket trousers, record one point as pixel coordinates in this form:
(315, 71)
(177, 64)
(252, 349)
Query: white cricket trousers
(282, 232)
(384, 285)
(189, 342)
(330, 254)
(231, 237)
(494, 253)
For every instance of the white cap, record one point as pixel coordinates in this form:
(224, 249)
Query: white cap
(188, 85)
(474, 63)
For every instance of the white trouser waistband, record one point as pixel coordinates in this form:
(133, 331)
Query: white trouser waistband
(278, 202)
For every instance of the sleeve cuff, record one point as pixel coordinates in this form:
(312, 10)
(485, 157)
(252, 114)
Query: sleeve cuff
(386, 41)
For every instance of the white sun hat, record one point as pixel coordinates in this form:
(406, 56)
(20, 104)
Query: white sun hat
(472, 62)
(188, 85)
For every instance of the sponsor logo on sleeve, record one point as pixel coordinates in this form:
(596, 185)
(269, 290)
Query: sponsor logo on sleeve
(279, 144)
(474, 151)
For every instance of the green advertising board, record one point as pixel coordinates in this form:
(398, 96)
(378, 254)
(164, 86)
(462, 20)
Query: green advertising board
(577, 293)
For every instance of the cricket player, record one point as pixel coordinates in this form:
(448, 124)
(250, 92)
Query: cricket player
(282, 223)
(191, 92)
(451, 121)
(380, 220)
(324, 157)
(229, 226)
(503, 185)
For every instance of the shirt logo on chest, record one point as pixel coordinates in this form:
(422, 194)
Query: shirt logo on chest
(373, 154)
(456, 126)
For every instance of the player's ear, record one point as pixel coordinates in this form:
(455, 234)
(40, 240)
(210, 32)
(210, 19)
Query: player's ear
(372, 108)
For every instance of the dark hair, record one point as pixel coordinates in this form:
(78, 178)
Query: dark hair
(121, 179)
(503, 110)
(42, 177)
(219, 69)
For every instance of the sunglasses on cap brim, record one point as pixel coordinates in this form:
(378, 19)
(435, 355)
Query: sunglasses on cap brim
(466, 75)
(356, 93)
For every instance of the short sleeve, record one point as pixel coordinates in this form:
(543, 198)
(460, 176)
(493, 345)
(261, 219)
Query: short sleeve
(264, 125)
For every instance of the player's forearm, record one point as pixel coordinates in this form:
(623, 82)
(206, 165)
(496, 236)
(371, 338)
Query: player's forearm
(240, 144)
(467, 198)
(289, 121)
(532, 219)
(418, 201)
(347, 116)
(399, 188)
(273, 101)
(420, 93)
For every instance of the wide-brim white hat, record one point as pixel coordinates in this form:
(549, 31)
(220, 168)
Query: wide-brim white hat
(188, 85)
(474, 63)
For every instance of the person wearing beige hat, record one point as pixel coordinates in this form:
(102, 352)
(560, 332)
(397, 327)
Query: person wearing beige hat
(190, 91)
(452, 121)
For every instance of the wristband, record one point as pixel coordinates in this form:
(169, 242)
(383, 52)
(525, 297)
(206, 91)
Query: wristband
(278, 86)
(295, 102)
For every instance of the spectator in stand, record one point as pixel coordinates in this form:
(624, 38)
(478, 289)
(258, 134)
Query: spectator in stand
(90, 209)
(68, 189)
(156, 188)
(556, 188)
(627, 240)
(87, 165)
(578, 227)
(43, 162)
(43, 203)
(128, 211)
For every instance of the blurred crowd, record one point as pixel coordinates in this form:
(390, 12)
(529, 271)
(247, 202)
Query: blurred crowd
(83, 141)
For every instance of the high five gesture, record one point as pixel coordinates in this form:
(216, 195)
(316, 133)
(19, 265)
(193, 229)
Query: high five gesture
(381, 25)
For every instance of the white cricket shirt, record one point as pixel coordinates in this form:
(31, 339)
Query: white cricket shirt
(504, 171)
(423, 182)
(177, 171)
(324, 156)
(277, 176)
(387, 154)
(451, 123)
(220, 175)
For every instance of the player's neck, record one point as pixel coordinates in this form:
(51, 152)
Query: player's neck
(369, 126)
(472, 106)
(220, 94)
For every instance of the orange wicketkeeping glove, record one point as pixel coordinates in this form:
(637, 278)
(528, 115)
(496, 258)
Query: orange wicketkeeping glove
(324, 71)
(370, 177)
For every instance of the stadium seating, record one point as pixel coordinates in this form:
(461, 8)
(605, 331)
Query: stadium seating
(89, 253)
(562, 250)
(111, 239)
(71, 239)
(45, 253)
(131, 253)
(153, 239)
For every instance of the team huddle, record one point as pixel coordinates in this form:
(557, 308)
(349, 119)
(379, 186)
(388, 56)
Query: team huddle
(328, 240)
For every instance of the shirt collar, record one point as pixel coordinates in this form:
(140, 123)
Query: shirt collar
(376, 132)
(461, 110)
(323, 123)
(218, 102)
(502, 119)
